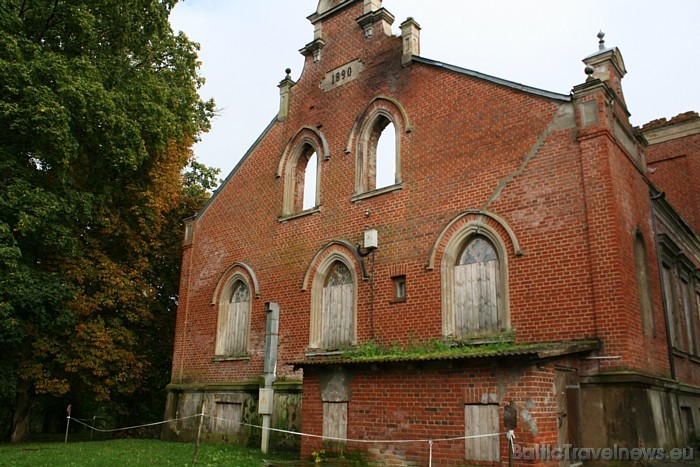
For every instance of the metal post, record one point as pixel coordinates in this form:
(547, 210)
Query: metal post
(67, 423)
(266, 395)
(510, 435)
(510, 454)
(430, 459)
(265, 441)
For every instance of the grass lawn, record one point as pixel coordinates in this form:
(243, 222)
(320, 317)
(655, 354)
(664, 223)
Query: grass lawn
(130, 452)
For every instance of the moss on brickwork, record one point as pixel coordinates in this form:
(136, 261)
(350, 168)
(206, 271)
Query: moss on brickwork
(427, 349)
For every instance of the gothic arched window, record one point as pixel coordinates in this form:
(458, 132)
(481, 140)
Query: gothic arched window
(337, 310)
(477, 289)
(234, 318)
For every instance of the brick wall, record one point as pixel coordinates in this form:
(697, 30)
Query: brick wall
(473, 145)
(674, 164)
(566, 199)
(429, 403)
(673, 158)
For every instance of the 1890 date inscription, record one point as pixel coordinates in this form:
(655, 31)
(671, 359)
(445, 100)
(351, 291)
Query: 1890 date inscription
(341, 75)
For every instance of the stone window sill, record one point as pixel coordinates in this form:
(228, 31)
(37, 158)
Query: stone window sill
(230, 358)
(371, 194)
(287, 217)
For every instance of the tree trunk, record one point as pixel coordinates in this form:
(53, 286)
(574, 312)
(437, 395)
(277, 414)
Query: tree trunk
(22, 416)
(7, 414)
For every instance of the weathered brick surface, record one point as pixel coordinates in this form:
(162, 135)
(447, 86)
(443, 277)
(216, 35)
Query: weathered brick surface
(572, 196)
(675, 167)
(424, 402)
(673, 158)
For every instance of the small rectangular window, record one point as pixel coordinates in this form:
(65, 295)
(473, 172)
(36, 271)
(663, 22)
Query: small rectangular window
(399, 286)
(228, 417)
(189, 227)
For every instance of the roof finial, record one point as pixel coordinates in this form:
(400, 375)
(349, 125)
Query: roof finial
(288, 71)
(601, 42)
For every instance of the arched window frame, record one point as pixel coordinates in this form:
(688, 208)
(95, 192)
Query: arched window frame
(222, 296)
(292, 168)
(453, 251)
(240, 329)
(365, 136)
(317, 286)
(646, 308)
(366, 171)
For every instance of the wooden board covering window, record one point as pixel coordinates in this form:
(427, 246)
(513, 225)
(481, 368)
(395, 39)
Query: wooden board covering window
(228, 417)
(337, 317)
(335, 422)
(232, 334)
(476, 298)
(481, 420)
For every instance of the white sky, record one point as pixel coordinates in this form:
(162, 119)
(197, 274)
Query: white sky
(246, 46)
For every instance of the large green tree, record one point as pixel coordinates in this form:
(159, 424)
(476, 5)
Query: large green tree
(98, 111)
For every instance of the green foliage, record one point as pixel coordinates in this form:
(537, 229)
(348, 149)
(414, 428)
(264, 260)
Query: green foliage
(319, 456)
(430, 348)
(99, 109)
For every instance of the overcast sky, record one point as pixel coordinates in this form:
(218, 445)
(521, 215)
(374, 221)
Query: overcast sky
(246, 46)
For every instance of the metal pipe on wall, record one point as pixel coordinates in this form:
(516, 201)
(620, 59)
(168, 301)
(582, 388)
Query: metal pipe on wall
(266, 394)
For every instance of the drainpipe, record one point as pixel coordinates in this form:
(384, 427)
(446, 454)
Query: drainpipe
(266, 395)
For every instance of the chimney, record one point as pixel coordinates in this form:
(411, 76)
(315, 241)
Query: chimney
(606, 65)
(285, 87)
(373, 13)
(410, 38)
(372, 5)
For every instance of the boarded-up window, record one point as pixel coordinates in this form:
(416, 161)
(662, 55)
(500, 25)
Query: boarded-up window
(337, 317)
(232, 335)
(335, 423)
(480, 420)
(697, 306)
(477, 290)
(689, 316)
(671, 308)
(643, 287)
(227, 417)
(687, 424)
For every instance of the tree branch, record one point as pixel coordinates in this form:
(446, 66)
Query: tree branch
(47, 23)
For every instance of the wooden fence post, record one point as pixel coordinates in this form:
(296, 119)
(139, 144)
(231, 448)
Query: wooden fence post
(199, 434)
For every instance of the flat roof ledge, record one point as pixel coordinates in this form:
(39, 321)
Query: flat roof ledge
(538, 351)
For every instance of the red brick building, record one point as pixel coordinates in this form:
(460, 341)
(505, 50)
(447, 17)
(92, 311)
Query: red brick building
(521, 266)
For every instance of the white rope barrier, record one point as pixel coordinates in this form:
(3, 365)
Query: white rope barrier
(297, 433)
(132, 427)
(510, 435)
